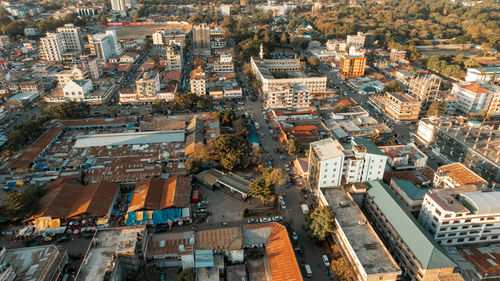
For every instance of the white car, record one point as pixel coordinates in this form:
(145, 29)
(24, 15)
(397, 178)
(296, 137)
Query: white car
(325, 260)
(283, 206)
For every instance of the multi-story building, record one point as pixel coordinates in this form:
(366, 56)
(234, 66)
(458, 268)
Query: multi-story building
(474, 144)
(333, 163)
(397, 55)
(224, 63)
(104, 45)
(91, 65)
(264, 69)
(147, 85)
(426, 89)
(201, 36)
(336, 45)
(225, 10)
(76, 73)
(76, 90)
(174, 58)
(483, 74)
(52, 47)
(122, 6)
(217, 40)
(168, 36)
(404, 157)
(289, 97)
(361, 39)
(72, 37)
(352, 65)
(472, 97)
(325, 163)
(198, 81)
(358, 241)
(411, 195)
(399, 106)
(32, 86)
(417, 253)
(456, 174)
(461, 216)
(494, 107)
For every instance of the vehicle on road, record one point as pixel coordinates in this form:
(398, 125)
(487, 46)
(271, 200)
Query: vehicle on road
(326, 261)
(299, 250)
(308, 270)
(250, 221)
(294, 236)
(283, 206)
(277, 218)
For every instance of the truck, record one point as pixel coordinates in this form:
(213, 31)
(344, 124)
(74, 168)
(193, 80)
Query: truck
(305, 209)
(257, 125)
(196, 197)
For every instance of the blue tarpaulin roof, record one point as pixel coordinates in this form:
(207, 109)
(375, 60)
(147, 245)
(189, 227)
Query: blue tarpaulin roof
(159, 217)
(252, 136)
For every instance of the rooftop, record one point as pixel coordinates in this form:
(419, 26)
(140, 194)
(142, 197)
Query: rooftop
(460, 174)
(447, 198)
(413, 191)
(406, 150)
(170, 244)
(368, 144)
(418, 240)
(485, 260)
(366, 244)
(327, 149)
(482, 202)
(230, 238)
(111, 242)
(130, 138)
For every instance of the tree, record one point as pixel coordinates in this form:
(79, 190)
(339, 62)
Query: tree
(186, 275)
(340, 107)
(284, 39)
(240, 127)
(231, 151)
(68, 110)
(159, 106)
(226, 116)
(264, 186)
(293, 147)
(322, 222)
(341, 269)
(313, 62)
(437, 108)
(147, 273)
(393, 86)
(19, 205)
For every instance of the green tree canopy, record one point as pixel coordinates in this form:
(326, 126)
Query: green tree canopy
(19, 205)
(226, 116)
(240, 127)
(293, 147)
(147, 273)
(437, 108)
(231, 151)
(68, 110)
(263, 187)
(322, 222)
(313, 62)
(192, 101)
(341, 269)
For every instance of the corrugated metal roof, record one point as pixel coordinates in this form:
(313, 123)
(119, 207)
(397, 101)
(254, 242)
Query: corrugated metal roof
(95, 199)
(421, 244)
(136, 138)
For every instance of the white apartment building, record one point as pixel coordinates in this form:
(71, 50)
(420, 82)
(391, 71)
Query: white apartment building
(331, 163)
(72, 37)
(104, 45)
(472, 97)
(197, 81)
(147, 85)
(76, 90)
(52, 47)
(325, 163)
(336, 45)
(76, 73)
(483, 74)
(289, 97)
(122, 6)
(174, 58)
(92, 65)
(461, 216)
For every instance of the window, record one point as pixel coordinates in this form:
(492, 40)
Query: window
(460, 240)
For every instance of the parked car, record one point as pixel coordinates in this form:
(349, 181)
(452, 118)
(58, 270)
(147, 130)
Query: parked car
(253, 221)
(294, 236)
(283, 205)
(299, 250)
(277, 218)
(326, 261)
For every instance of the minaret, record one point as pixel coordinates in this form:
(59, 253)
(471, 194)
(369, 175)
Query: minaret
(261, 54)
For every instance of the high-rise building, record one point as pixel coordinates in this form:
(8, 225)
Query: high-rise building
(92, 65)
(426, 89)
(361, 39)
(104, 45)
(494, 107)
(72, 37)
(201, 36)
(174, 58)
(352, 65)
(462, 216)
(289, 97)
(400, 106)
(52, 47)
(197, 81)
(147, 85)
(473, 97)
(122, 6)
(325, 163)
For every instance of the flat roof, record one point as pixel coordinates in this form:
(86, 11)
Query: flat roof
(483, 202)
(365, 242)
(327, 149)
(170, 244)
(235, 182)
(485, 260)
(34, 263)
(112, 241)
(135, 138)
(461, 174)
(418, 240)
(446, 198)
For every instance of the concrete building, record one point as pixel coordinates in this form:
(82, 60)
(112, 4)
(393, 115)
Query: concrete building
(472, 97)
(410, 195)
(122, 6)
(174, 58)
(352, 65)
(399, 106)
(397, 55)
(147, 85)
(76, 73)
(201, 36)
(483, 74)
(52, 47)
(32, 86)
(72, 37)
(472, 143)
(336, 45)
(168, 36)
(357, 239)
(44, 263)
(198, 81)
(264, 69)
(402, 157)
(417, 253)
(461, 217)
(76, 90)
(325, 163)
(361, 39)
(91, 64)
(494, 107)
(225, 10)
(332, 163)
(426, 89)
(288, 97)
(104, 45)
(456, 174)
